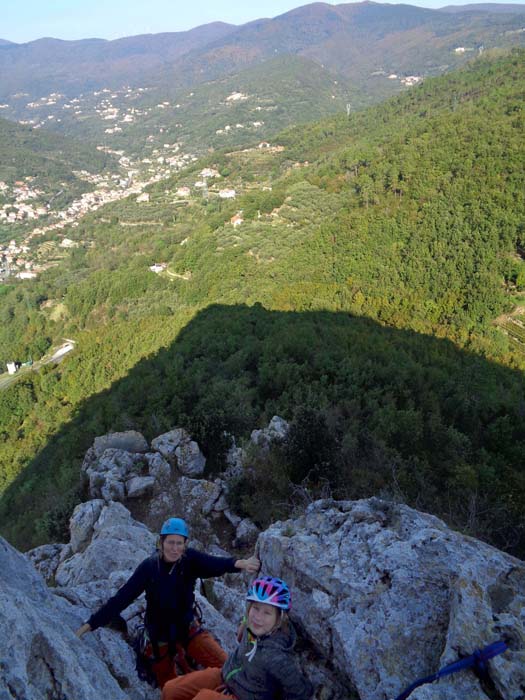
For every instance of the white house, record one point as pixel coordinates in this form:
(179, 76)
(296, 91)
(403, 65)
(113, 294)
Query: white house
(209, 172)
(236, 97)
(68, 243)
(227, 194)
(157, 267)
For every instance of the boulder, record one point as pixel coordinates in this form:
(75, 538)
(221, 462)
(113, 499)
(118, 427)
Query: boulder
(190, 460)
(158, 467)
(168, 442)
(246, 533)
(46, 559)
(118, 544)
(198, 497)
(177, 447)
(107, 473)
(42, 658)
(277, 430)
(388, 595)
(128, 441)
(140, 486)
(232, 517)
(82, 522)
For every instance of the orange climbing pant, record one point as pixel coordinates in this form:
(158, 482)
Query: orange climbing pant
(199, 685)
(202, 648)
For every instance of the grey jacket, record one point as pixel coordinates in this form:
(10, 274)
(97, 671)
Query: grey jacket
(269, 673)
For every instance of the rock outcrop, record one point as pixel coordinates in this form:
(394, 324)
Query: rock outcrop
(155, 482)
(276, 431)
(41, 659)
(179, 449)
(390, 595)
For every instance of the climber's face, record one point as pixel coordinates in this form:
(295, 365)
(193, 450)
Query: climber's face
(262, 618)
(173, 548)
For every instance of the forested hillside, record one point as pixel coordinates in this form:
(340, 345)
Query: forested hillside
(44, 156)
(371, 295)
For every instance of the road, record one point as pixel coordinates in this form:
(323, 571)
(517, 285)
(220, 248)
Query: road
(57, 356)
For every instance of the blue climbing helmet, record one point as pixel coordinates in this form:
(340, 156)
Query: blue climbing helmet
(175, 526)
(270, 590)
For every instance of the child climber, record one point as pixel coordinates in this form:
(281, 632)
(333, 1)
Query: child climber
(263, 666)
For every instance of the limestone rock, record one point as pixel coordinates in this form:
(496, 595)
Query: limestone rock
(277, 430)
(190, 460)
(390, 595)
(246, 533)
(198, 496)
(234, 461)
(168, 442)
(128, 441)
(81, 523)
(229, 597)
(118, 475)
(221, 504)
(107, 473)
(46, 559)
(233, 518)
(177, 447)
(223, 629)
(117, 546)
(45, 659)
(140, 486)
(158, 467)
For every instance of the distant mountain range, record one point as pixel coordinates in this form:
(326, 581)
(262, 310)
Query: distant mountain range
(485, 7)
(363, 41)
(48, 65)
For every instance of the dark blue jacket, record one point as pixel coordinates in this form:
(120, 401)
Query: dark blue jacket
(169, 592)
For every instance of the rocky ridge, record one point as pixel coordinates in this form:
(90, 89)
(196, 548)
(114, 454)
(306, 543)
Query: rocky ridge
(382, 594)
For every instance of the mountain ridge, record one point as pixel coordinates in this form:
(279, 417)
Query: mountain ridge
(486, 7)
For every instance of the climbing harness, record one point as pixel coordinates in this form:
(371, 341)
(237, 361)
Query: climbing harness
(144, 656)
(477, 661)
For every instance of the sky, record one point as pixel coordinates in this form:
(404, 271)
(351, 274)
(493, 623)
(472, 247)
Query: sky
(26, 20)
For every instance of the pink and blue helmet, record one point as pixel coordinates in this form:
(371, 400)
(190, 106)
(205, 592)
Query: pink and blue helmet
(270, 590)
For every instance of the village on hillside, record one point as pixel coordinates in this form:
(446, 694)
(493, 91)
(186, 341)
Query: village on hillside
(20, 259)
